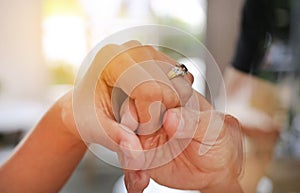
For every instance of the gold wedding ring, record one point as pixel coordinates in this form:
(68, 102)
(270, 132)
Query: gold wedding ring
(178, 70)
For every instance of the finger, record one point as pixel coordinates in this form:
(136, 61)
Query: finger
(204, 127)
(111, 70)
(122, 140)
(132, 155)
(136, 181)
(160, 67)
(131, 43)
(160, 56)
(182, 86)
(142, 87)
(198, 102)
(129, 115)
(190, 77)
(151, 100)
(128, 80)
(117, 61)
(149, 142)
(215, 136)
(140, 54)
(150, 116)
(149, 111)
(174, 119)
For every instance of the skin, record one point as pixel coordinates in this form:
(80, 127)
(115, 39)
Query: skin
(27, 172)
(215, 169)
(249, 96)
(46, 158)
(117, 59)
(69, 145)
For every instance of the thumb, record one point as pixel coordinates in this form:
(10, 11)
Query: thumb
(181, 122)
(204, 127)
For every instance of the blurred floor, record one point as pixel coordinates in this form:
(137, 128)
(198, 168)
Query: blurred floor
(92, 176)
(95, 176)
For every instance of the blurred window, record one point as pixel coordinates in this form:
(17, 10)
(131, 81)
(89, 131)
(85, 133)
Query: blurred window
(72, 27)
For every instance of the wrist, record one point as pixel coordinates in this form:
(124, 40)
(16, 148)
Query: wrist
(65, 115)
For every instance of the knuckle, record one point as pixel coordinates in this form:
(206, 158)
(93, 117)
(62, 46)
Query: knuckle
(110, 47)
(149, 91)
(183, 89)
(107, 53)
(133, 42)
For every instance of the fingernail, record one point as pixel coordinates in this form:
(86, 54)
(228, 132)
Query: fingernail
(172, 116)
(203, 149)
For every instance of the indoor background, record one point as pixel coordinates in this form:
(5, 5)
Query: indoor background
(43, 43)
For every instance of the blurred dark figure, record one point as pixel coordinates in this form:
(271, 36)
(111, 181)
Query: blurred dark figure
(263, 82)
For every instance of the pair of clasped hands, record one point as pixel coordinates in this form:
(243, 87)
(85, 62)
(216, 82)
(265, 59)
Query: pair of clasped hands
(160, 127)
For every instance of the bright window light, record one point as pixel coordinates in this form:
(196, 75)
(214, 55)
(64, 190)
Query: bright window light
(64, 32)
(64, 38)
(190, 12)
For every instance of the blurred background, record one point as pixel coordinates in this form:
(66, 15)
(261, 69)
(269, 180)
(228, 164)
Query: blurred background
(43, 43)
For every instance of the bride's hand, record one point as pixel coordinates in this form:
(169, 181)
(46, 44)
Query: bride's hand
(128, 70)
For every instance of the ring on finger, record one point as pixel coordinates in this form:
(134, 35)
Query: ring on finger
(178, 70)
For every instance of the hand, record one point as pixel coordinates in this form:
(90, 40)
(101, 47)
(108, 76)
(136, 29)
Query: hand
(130, 70)
(211, 160)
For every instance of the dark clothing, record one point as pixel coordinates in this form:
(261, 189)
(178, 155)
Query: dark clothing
(263, 22)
